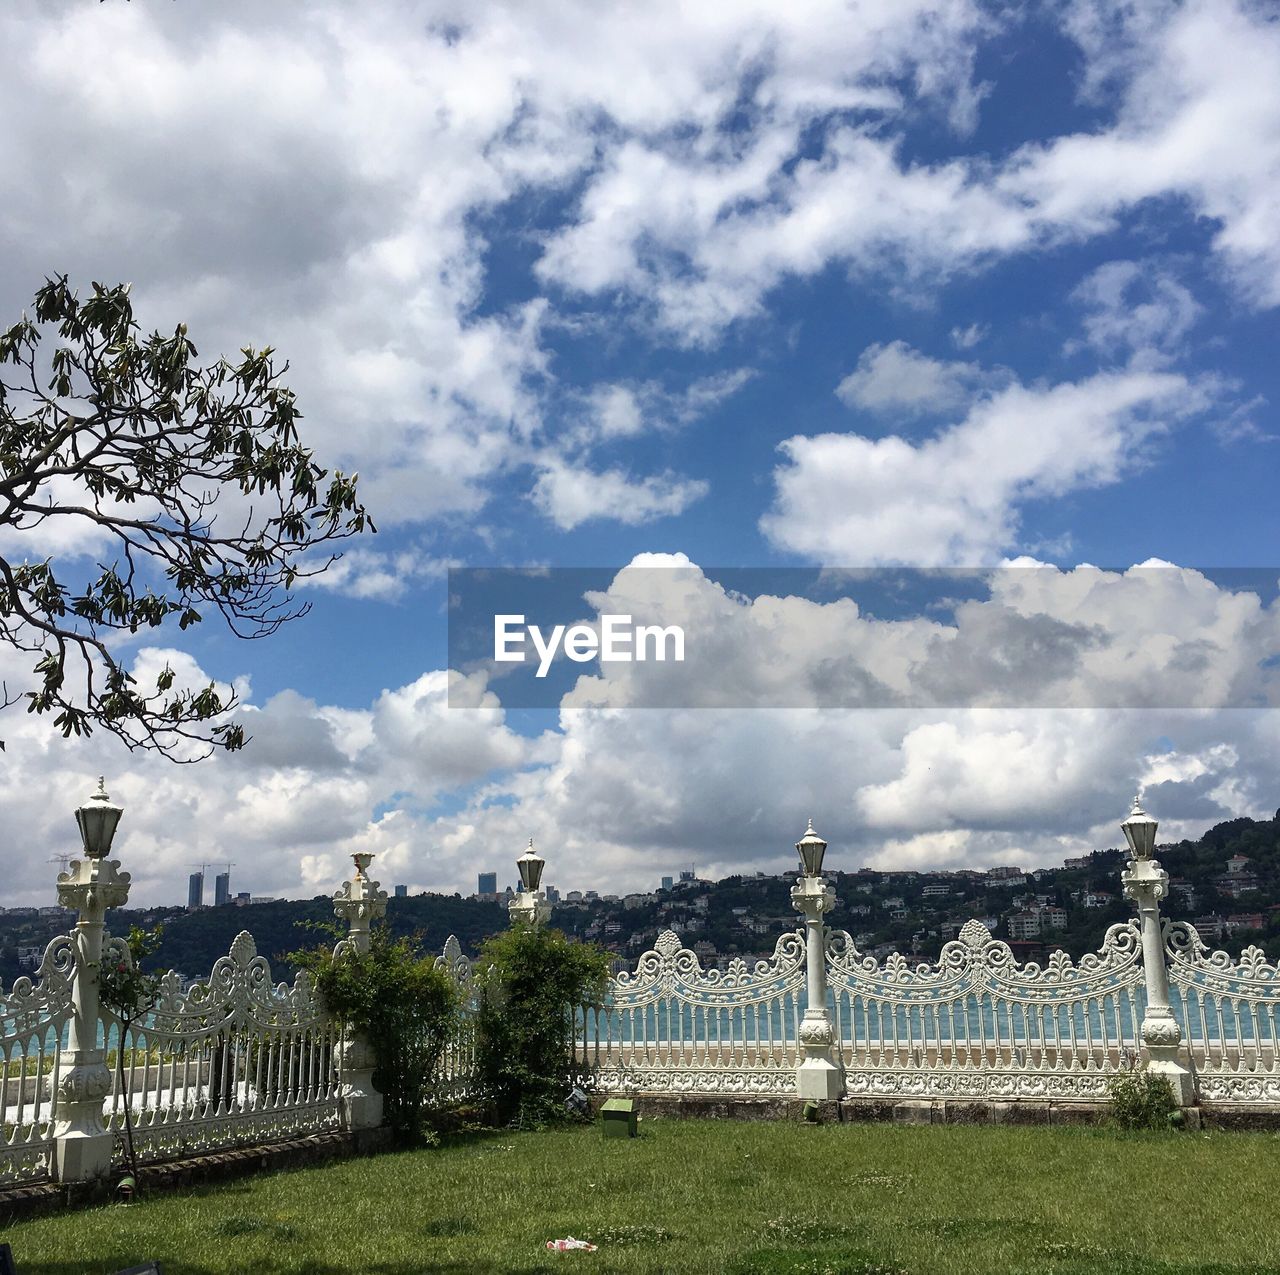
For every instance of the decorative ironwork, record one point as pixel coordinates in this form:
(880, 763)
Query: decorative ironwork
(669, 1026)
(233, 1059)
(34, 1014)
(1230, 1012)
(978, 1024)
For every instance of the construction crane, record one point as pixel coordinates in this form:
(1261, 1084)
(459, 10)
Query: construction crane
(63, 860)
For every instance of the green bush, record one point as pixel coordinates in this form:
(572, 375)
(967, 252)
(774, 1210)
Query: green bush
(1141, 1100)
(403, 1006)
(528, 985)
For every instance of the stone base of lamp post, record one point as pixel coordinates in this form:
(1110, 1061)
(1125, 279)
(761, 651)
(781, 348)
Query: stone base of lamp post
(1162, 1037)
(818, 1078)
(361, 1101)
(82, 1145)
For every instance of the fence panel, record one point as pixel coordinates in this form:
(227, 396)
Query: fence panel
(670, 1026)
(229, 1061)
(456, 1077)
(980, 1025)
(33, 1020)
(1229, 1011)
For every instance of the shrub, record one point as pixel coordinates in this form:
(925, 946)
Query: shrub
(528, 986)
(1141, 1100)
(404, 1007)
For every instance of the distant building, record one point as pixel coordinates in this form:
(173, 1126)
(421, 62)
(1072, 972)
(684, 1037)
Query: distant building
(1081, 862)
(402, 892)
(686, 876)
(668, 882)
(222, 889)
(242, 899)
(1005, 873)
(1237, 863)
(488, 883)
(553, 895)
(1024, 925)
(195, 890)
(936, 891)
(1245, 921)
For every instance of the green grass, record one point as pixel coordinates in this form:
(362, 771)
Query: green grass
(740, 1198)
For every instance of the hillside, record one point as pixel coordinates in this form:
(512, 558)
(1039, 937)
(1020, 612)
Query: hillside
(1072, 906)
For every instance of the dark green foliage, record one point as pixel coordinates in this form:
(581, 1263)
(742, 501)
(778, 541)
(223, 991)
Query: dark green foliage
(151, 440)
(403, 1006)
(528, 984)
(1141, 1100)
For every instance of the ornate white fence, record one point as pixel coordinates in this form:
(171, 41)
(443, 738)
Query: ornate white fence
(33, 1019)
(456, 1077)
(670, 1026)
(232, 1060)
(1230, 1015)
(980, 1025)
(239, 1059)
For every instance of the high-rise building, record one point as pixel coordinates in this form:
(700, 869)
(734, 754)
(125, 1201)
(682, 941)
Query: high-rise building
(222, 889)
(488, 883)
(402, 892)
(668, 882)
(553, 895)
(195, 890)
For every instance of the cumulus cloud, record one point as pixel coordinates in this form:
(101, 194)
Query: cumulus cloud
(1025, 635)
(570, 495)
(896, 379)
(954, 499)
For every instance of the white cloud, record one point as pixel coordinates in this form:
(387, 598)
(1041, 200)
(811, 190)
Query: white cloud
(571, 495)
(615, 797)
(1199, 121)
(954, 499)
(1130, 306)
(895, 378)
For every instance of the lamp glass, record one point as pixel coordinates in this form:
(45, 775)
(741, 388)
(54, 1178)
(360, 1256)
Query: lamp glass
(1140, 832)
(811, 848)
(530, 866)
(97, 820)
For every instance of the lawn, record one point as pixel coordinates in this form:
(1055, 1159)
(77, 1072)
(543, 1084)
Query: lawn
(694, 1196)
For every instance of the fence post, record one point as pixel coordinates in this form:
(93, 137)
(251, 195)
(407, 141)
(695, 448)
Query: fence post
(818, 1078)
(359, 901)
(82, 1144)
(1146, 883)
(530, 906)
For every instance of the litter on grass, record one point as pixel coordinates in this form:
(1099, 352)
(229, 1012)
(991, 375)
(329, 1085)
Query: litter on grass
(563, 1246)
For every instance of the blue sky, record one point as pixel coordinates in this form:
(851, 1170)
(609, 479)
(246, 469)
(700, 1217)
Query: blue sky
(822, 284)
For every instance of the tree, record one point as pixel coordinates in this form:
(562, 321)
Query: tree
(192, 475)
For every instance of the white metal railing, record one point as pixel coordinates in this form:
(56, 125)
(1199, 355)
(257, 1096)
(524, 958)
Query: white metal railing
(34, 1014)
(977, 1024)
(669, 1026)
(1229, 1010)
(231, 1060)
(456, 1073)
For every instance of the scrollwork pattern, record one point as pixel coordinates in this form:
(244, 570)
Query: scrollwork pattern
(669, 969)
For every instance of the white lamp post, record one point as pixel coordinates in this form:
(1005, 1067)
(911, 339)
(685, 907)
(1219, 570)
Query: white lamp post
(82, 1143)
(1146, 883)
(818, 1078)
(530, 906)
